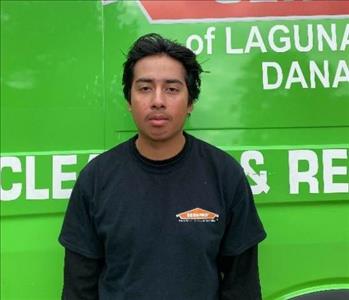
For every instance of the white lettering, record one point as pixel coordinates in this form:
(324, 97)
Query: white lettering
(228, 48)
(209, 36)
(310, 35)
(328, 156)
(322, 76)
(295, 76)
(15, 191)
(331, 40)
(279, 39)
(200, 44)
(345, 40)
(255, 40)
(340, 77)
(92, 156)
(31, 191)
(285, 40)
(58, 176)
(260, 179)
(296, 176)
(279, 75)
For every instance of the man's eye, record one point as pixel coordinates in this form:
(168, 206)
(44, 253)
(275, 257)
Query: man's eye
(144, 88)
(172, 90)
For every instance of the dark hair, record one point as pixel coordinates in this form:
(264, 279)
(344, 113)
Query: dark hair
(152, 44)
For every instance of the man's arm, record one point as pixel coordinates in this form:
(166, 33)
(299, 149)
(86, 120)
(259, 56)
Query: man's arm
(81, 275)
(240, 276)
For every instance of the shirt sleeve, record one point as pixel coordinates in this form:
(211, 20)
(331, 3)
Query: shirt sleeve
(78, 232)
(81, 276)
(244, 228)
(240, 276)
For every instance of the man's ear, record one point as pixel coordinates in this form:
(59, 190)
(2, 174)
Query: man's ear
(129, 106)
(190, 108)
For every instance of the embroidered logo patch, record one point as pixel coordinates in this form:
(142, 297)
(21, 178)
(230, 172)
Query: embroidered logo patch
(197, 215)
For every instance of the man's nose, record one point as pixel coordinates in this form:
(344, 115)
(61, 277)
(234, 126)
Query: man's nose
(158, 99)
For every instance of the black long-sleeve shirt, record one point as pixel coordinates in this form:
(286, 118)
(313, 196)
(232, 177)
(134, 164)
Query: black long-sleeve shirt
(240, 276)
(163, 227)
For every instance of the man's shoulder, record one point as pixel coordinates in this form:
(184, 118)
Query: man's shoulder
(109, 160)
(211, 153)
(117, 153)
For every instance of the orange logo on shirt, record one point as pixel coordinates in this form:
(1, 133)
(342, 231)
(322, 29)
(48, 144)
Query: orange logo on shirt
(197, 215)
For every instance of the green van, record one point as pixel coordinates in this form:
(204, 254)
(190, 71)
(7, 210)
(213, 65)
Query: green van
(275, 95)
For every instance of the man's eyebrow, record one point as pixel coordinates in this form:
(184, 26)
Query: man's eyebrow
(174, 81)
(144, 80)
(149, 80)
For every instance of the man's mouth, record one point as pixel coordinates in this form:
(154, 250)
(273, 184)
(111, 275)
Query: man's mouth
(158, 119)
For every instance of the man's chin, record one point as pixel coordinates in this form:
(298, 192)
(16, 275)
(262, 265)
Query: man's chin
(162, 136)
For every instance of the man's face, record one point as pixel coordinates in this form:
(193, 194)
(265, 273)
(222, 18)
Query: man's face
(159, 98)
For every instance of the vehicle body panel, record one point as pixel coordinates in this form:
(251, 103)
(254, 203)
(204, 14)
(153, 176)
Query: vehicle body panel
(62, 103)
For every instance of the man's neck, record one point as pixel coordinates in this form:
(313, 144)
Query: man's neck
(160, 150)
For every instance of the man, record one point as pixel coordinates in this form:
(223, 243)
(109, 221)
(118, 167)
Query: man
(163, 215)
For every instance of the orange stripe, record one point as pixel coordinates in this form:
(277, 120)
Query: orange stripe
(173, 10)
